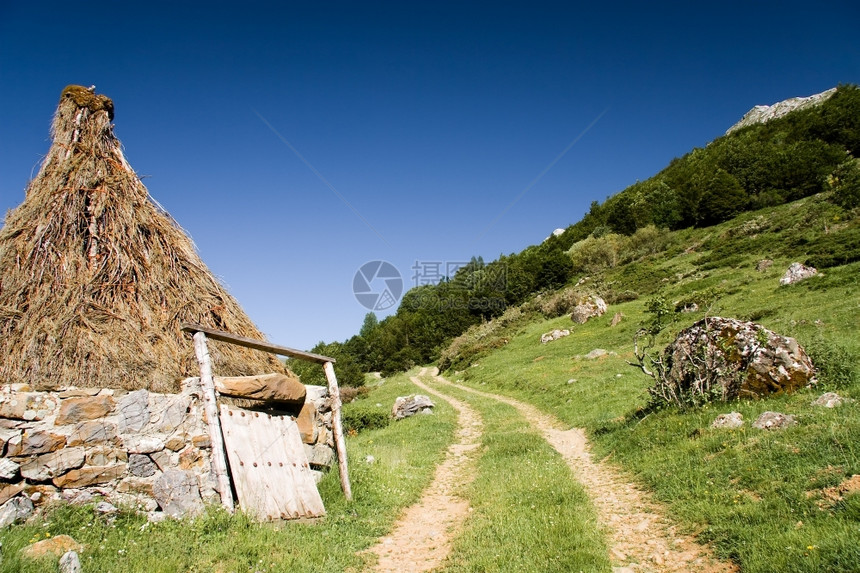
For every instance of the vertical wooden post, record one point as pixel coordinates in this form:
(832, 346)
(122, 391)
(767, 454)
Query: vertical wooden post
(337, 428)
(216, 437)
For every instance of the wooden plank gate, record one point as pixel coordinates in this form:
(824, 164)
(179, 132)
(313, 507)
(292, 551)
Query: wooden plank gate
(267, 460)
(268, 464)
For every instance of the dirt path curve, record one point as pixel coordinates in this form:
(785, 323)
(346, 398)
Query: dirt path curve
(642, 539)
(421, 538)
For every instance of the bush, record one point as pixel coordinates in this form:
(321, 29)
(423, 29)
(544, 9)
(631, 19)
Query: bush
(559, 303)
(844, 182)
(835, 364)
(361, 417)
(597, 253)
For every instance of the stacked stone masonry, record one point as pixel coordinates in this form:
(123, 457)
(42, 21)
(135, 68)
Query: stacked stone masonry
(139, 449)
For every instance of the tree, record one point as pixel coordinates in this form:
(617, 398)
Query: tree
(369, 324)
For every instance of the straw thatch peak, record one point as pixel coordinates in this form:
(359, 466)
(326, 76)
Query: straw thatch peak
(95, 278)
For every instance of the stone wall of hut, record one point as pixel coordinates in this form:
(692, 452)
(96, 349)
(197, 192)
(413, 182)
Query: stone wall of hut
(140, 449)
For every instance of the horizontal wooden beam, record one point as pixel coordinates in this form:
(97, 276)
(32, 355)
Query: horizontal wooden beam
(255, 344)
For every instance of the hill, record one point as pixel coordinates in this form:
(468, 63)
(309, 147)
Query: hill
(810, 151)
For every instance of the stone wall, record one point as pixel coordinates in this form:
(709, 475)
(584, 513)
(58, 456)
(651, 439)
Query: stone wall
(141, 449)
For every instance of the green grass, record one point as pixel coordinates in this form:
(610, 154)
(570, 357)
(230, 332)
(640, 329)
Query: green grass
(529, 514)
(221, 542)
(756, 495)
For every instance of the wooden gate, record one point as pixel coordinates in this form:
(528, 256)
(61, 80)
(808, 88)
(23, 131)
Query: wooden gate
(269, 467)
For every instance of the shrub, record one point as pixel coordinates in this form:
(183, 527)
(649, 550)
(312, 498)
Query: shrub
(362, 417)
(845, 184)
(560, 303)
(835, 364)
(596, 253)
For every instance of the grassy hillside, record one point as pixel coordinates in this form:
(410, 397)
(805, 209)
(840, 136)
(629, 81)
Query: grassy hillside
(761, 497)
(800, 155)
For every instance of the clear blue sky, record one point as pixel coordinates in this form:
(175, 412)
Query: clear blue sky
(429, 118)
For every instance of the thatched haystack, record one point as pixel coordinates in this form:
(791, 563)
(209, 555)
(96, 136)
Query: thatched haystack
(96, 278)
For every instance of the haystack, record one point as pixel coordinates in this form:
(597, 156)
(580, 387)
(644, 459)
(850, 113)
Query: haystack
(96, 278)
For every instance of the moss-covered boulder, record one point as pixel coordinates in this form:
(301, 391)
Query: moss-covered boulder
(725, 359)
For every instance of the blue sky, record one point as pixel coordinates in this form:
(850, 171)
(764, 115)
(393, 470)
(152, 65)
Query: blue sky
(429, 119)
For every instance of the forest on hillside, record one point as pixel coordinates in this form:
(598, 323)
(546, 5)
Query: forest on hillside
(801, 154)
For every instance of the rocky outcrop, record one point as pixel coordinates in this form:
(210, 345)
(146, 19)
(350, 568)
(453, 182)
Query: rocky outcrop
(831, 400)
(553, 335)
(588, 308)
(406, 406)
(797, 272)
(724, 358)
(730, 421)
(135, 448)
(765, 113)
(774, 421)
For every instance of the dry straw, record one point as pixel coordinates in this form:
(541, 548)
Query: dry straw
(96, 278)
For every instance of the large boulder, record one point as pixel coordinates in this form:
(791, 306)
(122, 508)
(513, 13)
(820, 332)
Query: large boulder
(797, 272)
(406, 406)
(724, 359)
(591, 306)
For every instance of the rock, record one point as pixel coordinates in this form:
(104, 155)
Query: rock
(831, 400)
(554, 335)
(175, 443)
(91, 433)
(15, 510)
(316, 394)
(70, 562)
(267, 387)
(141, 465)
(724, 358)
(318, 476)
(136, 486)
(141, 444)
(177, 493)
(165, 460)
(33, 442)
(592, 306)
(692, 307)
(41, 494)
(597, 353)
(25, 405)
(105, 456)
(201, 441)
(616, 319)
(78, 392)
(105, 507)
(8, 469)
(729, 421)
(306, 421)
(156, 516)
(763, 265)
(319, 455)
(406, 406)
(77, 496)
(172, 412)
(56, 546)
(764, 113)
(89, 475)
(190, 458)
(74, 410)
(133, 411)
(8, 491)
(47, 466)
(774, 421)
(797, 272)
(7, 434)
